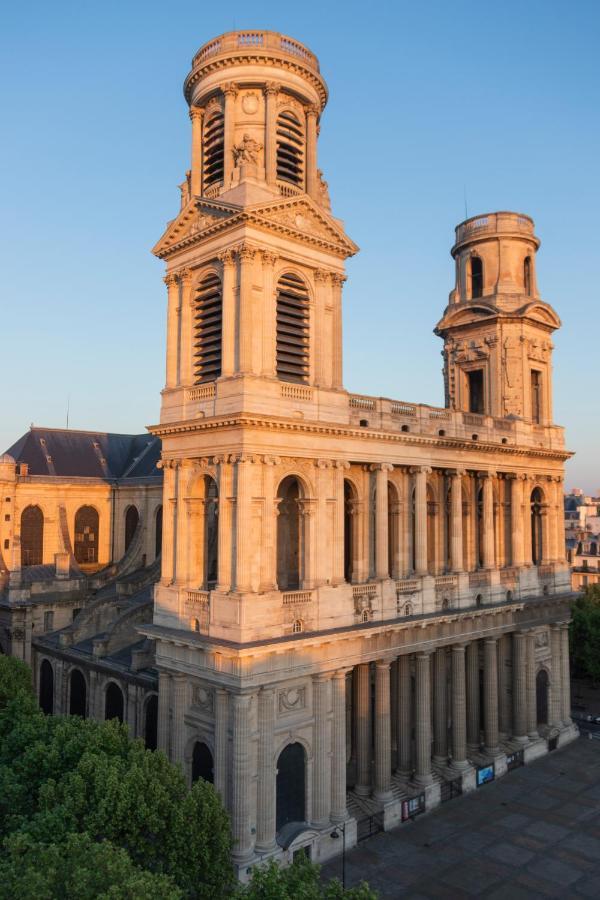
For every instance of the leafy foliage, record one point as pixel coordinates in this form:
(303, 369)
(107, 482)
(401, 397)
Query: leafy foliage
(585, 634)
(15, 680)
(300, 881)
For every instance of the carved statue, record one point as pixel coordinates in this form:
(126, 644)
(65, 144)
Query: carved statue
(247, 151)
(323, 190)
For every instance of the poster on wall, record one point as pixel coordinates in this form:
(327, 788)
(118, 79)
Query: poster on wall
(485, 774)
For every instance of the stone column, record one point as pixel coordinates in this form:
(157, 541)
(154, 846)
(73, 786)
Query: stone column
(404, 716)
(243, 536)
(230, 92)
(169, 506)
(340, 467)
(459, 709)
(266, 797)
(383, 735)
(196, 163)
(473, 702)
(490, 688)
(440, 710)
(421, 519)
(339, 813)
(221, 743)
(456, 537)
(269, 313)
(516, 520)
(423, 719)
(488, 522)
(311, 152)
(519, 671)
(531, 688)
(405, 527)
(321, 807)
(172, 282)
(337, 282)
(363, 729)
(504, 707)
(560, 522)
(240, 780)
(164, 712)
(224, 526)
(179, 695)
(186, 329)
(566, 676)
(181, 522)
(228, 313)
(381, 520)
(268, 578)
(246, 256)
(272, 89)
(321, 354)
(526, 517)
(556, 684)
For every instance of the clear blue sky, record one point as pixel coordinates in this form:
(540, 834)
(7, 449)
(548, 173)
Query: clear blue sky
(427, 100)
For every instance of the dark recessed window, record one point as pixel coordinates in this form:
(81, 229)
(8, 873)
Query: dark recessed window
(476, 277)
(292, 328)
(208, 322)
(475, 383)
(290, 149)
(214, 154)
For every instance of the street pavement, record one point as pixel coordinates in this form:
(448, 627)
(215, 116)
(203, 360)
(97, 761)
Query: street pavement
(533, 833)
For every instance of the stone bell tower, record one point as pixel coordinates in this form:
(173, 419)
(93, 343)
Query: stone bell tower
(496, 328)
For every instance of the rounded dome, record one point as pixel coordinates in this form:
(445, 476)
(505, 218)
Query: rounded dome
(7, 458)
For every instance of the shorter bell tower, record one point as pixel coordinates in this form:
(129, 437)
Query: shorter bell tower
(496, 328)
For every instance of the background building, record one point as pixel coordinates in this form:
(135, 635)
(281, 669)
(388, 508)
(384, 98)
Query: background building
(582, 529)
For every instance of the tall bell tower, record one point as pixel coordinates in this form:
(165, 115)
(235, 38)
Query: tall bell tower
(496, 328)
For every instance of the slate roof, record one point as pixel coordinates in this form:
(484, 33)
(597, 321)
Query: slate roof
(88, 454)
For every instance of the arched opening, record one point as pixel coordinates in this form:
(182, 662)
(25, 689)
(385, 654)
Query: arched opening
(297, 626)
(536, 396)
(213, 147)
(432, 510)
(480, 524)
(211, 533)
(536, 526)
(77, 694)
(32, 536)
(132, 518)
(113, 702)
(291, 785)
(208, 320)
(46, 688)
(466, 528)
(292, 329)
(349, 541)
(86, 535)
(448, 527)
(476, 264)
(158, 531)
(289, 535)
(151, 723)
(290, 149)
(527, 275)
(202, 763)
(593, 548)
(541, 696)
(393, 527)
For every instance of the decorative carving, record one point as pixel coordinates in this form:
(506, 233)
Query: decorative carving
(291, 700)
(272, 87)
(541, 639)
(247, 152)
(323, 188)
(250, 103)
(269, 257)
(203, 698)
(196, 113)
(225, 257)
(170, 279)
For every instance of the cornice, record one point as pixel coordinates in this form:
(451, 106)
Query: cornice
(303, 427)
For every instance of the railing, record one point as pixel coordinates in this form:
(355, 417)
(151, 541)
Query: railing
(259, 40)
(291, 598)
(479, 579)
(407, 586)
(288, 190)
(213, 190)
(198, 598)
(403, 409)
(443, 581)
(296, 392)
(361, 402)
(495, 222)
(364, 590)
(206, 392)
(508, 576)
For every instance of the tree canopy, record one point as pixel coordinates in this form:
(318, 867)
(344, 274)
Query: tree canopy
(585, 634)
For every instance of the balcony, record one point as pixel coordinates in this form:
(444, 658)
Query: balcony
(260, 42)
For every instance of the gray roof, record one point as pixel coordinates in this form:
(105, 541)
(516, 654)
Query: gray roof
(87, 454)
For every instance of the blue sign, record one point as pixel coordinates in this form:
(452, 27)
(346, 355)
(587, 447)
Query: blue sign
(485, 774)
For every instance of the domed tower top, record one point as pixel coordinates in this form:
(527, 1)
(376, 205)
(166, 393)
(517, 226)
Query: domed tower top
(255, 99)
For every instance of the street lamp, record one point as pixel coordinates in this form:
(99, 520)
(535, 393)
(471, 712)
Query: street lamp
(335, 834)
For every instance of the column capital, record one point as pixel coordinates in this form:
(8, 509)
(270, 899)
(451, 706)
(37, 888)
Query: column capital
(420, 470)
(245, 252)
(381, 467)
(312, 110)
(322, 275)
(459, 648)
(185, 276)
(383, 663)
(455, 473)
(322, 677)
(269, 257)
(323, 463)
(485, 476)
(230, 88)
(337, 279)
(341, 464)
(225, 257)
(196, 112)
(272, 87)
(170, 279)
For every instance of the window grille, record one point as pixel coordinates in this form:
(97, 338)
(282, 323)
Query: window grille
(207, 329)
(214, 153)
(290, 149)
(292, 329)
(86, 535)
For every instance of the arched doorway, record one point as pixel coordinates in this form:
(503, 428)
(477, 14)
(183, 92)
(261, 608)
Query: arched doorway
(32, 536)
(46, 688)
(536, 526)
(86, 535)
(541, 690)
(202, 763)
(132, 518)
(211, 533)
(289, 535)
(113, 702)
(158, 532)
(77, 694)
(291, 785)
(349, 517)
(151, 723)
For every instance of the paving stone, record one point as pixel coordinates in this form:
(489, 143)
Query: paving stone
(515, 821)
(547, 832)
(556, 871)
(584, 845)
(510, 854)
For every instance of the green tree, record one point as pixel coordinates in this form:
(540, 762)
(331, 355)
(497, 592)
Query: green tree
(77, 868)
(15, 680)
(584, 632)
(300, 881)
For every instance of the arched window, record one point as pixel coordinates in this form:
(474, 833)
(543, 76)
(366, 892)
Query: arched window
(113, 702)
(213, 146)
(291, 785)
(527, 274)
(292, 329)
(211, 533)
(289, 535)
(202, 763)
(46, 688)
(541, 690)
(151, 722)
(290, 149)
(536, 526)
(195, 624)
(297, 626)
(208, 319)
(349, 503)
(132, 517)
(77, 694)
(476, 265)
(86, 535)
(158, 531)
(32, 536)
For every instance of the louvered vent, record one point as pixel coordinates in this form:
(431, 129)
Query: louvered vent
(292, 329)
(290, 149)
(214, 149)
(207, 330)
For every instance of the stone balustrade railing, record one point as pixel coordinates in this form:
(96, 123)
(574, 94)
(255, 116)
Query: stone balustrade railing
(258, 41)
